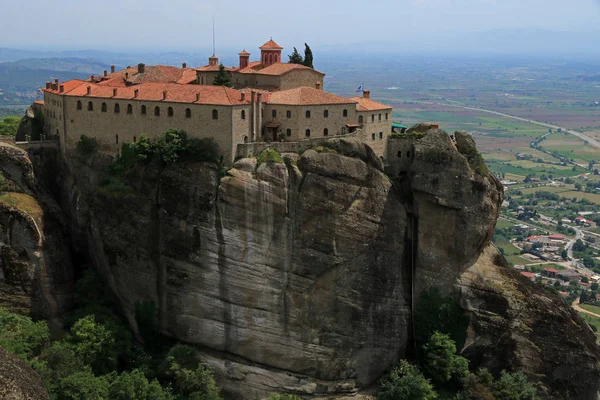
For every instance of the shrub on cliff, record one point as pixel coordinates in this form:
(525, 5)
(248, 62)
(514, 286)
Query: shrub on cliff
(269, 155)
(22, 336)
(406, 382)
(3, 183)
(86, 146)
(9, 126)
(442, 363)
(174, 145)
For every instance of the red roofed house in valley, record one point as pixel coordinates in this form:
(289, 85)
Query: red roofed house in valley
(529, 275)
(269, 101)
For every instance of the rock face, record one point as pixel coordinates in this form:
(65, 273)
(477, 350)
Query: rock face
(301, 277)
(35, 266)
(18, 381)
(515, 325)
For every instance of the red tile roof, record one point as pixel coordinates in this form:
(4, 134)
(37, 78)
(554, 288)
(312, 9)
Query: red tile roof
(307, 96)
(556, 237)
(565, 294)
(551, 270)
(39, 102)
(369, 105)
(244, 53)
(276, 69)
(529, 275)
(270, 45)
(152, 73)
(212, 68)
(176, 93)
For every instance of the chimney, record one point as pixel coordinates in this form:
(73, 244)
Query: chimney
(105, 72)
(197, 97)
(89, 90)
(164, 95)
(183, 65)
(112, 69)
(114, 92)
(92, 78)
(56, 80)
(135, 93)
(366, 94)
(48, 84)
(213, 60)
(61, 88)
(141, 68)
(243, 97)
(318, 85)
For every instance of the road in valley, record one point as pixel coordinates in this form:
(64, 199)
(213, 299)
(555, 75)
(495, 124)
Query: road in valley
(576, 307)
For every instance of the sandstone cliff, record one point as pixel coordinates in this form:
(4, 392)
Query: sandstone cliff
(302, 276)
(18, 381)
(36, 275)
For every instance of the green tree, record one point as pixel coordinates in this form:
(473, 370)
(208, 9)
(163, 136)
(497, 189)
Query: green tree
(577, 185)
(564, 254)
(406, 382)
(170, 145)
(134, 385)
(222, 78)
(308, 56)
(83, 385)
(195, 384)
(93, 343)
(3, 183)
(296, 58)
(9, 126)
(441, 362)
(21, 336)
(513, 386)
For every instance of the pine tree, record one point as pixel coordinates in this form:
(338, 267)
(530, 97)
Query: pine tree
(296, 58)
(222, 78)
(308, 56)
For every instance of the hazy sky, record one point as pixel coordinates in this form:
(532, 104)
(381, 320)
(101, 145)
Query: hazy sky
(187, 24)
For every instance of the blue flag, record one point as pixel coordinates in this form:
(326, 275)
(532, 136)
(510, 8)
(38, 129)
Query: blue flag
(360, 88)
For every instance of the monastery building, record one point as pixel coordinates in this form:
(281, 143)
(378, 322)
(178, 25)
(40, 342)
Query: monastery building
(269, 101)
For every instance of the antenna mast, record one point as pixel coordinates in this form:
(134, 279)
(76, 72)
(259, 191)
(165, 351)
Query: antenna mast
(214, 37)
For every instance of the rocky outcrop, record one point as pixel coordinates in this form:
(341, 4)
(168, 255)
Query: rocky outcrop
(516, 325)
(18, 381)
(304, 270)
(302, 276)
(36, 275)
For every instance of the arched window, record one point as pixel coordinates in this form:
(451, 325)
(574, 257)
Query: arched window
(157, 111)
(245, 139)
(386, 116)
(408, 154)
(288, 132)
(360, 119)
(399, 154)
(188, 113)
(79, 104)
(274, 113)
(134, 139)
(129, 109)
(372, 117)
(143, 110)
(215, 114)
(117, 139)
(345, 113)
(243, 114)
(380, 117)
(307, 113)
(308, 133)
(170, 111)
(90, 106)
(57, 133)
(373, 136)
(103, 108)
(326, 114)
(289, 114)
(117, 108)
(325, 132)
(380, 135)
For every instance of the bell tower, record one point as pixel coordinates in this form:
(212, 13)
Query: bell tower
(270, 53)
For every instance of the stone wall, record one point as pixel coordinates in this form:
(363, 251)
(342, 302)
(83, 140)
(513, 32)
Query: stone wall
(376, 129)
(298, 123)
(300, 78)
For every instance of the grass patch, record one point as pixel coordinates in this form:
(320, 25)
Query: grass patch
(24, 203)
(517, 260)
(269, 155)
(594, 198)
(592, 321)
(514, 177)
(540, 268)
(550, 189)
(502, 223)
(590, 308)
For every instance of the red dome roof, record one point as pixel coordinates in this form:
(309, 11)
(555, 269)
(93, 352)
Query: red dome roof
(271, 45)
